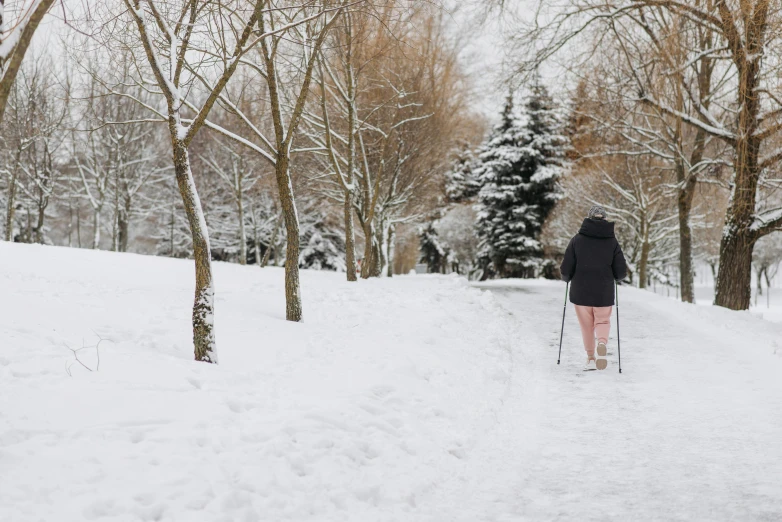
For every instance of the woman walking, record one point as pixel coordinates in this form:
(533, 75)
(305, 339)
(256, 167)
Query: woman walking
(593, 262)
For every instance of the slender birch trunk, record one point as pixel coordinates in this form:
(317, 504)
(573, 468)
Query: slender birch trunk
(96, 220)
(381, 247)
(256, 235)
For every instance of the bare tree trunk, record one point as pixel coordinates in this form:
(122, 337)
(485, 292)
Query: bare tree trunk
(738, 238)
(643, 262)
(78, 224)
(768, 288)
(10, 67)
(124, 226)
(256, 236)
(203, 305)
(391, 248)
(376, 257)
(758, 284)
(735, 271)
(643, 276)
(39, 236)
(350, 237)
(171, 230)
(70, 219)
(96, 229)
(28, 237)
(272, 242)
(115, 224)
(275, 254)
(293, 308)
(242, 234)
(687, 179)
(11, 209)
(381, 248)
(370, 259)
(686, 194)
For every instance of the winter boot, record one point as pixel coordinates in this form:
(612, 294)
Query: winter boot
(601, 363)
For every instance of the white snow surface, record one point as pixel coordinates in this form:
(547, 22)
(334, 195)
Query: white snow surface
(358, 413)
(404, 399)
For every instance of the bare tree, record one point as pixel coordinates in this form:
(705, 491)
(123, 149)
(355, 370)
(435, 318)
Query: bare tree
(239, 176)
(342, 77)
(742, 37)
(22, 23)
(285, 61)
(766, 260)
(169, 32)
(39, 108)
(115, 153)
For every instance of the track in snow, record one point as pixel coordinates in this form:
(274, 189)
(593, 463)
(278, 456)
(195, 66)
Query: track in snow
(692, 430)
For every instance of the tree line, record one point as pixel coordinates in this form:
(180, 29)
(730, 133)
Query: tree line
(676, 126)
(301, 134)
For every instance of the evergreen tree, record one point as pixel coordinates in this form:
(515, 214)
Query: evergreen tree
(434, 252)
(322, 248)
(461, 183)
(518, 168)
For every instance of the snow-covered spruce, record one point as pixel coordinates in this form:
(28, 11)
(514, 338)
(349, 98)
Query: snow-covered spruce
(518, 168)
(435, 253)
(461, 182)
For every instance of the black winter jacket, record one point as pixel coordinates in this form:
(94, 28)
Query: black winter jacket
(593, 261)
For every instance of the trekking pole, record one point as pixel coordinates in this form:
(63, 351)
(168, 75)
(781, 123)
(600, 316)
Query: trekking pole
(618, 339)
(562, 331)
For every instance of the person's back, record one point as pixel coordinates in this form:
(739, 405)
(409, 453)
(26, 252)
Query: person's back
(593, 261)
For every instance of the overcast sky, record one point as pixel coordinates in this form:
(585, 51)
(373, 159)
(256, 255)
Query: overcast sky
(481, 35)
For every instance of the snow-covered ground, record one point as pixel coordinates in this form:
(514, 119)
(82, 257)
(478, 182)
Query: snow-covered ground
(767, 306)
(413, 399)
(358, 414)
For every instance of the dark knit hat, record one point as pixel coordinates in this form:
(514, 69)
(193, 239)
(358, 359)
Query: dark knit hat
(597, 212)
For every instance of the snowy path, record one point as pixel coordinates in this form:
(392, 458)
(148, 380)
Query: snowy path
(415, 399)
(692, 430)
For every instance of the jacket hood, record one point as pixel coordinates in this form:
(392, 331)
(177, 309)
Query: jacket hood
(599, 228)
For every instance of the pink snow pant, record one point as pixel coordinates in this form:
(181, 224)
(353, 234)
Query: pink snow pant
(595, 321)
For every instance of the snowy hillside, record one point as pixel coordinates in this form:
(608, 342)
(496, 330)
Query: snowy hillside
(357, 412)
(413, 399)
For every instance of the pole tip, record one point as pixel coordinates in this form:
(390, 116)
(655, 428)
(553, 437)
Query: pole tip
(557, 361)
